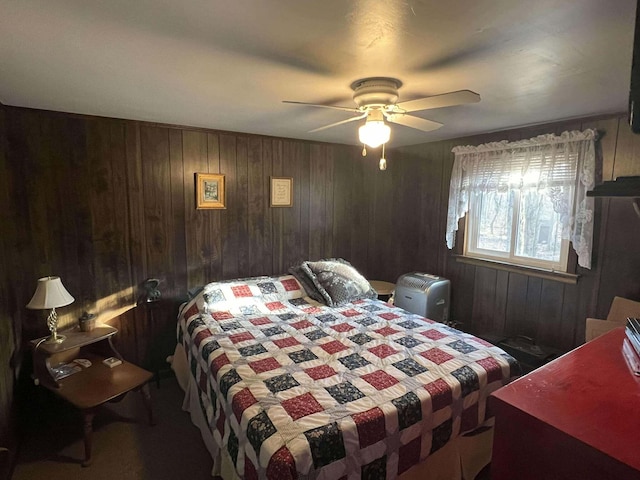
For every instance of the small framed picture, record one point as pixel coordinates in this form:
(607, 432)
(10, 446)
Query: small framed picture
(281, 192)
(209, 190)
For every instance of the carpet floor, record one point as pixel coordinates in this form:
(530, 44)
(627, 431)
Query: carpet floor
(125, 446)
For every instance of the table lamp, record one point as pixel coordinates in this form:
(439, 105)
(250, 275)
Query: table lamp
(50, 293)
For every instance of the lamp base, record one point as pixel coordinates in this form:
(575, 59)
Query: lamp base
(56, 339)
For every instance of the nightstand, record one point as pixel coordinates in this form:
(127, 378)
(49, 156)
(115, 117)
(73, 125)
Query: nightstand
(90, 387)
(384, 289)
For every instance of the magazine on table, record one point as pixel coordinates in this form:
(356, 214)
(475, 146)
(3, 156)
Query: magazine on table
(65, 369)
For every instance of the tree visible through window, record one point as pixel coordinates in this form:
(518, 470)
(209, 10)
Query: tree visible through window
(519, 227)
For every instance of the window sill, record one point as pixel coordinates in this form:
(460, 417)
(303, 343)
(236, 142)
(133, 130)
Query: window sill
(530, 271)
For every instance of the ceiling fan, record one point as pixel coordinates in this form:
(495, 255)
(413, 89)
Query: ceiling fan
(376, 99)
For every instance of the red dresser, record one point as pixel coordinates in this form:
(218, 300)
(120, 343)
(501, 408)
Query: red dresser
(577, 417)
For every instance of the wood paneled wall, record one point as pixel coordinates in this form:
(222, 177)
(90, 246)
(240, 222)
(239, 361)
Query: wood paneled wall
(7, 337)
(107, 203)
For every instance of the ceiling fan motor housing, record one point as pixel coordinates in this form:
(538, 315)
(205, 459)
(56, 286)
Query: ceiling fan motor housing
(376, 91)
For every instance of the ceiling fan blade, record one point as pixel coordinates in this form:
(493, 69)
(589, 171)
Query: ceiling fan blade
(339, 123)
(414, 122)
(450, 99)
(333, 107)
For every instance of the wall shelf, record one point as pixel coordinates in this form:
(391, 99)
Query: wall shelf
(620, 187)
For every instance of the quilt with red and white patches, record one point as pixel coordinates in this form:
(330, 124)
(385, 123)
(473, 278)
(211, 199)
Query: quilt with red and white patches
(292, 388)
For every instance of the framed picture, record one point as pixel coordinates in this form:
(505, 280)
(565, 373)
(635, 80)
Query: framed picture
(209, 190)
(281, 192)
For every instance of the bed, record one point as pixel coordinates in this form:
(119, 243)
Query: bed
(284, 386)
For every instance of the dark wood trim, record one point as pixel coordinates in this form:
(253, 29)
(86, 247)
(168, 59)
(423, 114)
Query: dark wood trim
(529, 271)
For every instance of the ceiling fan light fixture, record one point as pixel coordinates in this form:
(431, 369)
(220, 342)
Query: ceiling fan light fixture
(374, 132)
(377, 100)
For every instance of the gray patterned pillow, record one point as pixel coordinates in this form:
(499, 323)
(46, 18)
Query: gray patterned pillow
(306, 282)
(338, 281)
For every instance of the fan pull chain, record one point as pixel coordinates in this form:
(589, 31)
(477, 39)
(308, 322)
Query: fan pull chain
(383, 161)
(364, 150)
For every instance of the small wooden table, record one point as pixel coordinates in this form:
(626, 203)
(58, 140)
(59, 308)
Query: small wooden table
(384, 289)
(92, 386)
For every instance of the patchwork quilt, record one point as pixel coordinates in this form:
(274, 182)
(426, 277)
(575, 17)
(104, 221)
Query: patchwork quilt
(292, 388)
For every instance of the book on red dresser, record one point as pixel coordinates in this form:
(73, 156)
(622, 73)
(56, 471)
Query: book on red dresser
(631, 357)
(632, 332)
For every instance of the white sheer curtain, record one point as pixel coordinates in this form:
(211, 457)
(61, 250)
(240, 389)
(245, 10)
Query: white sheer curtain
(563, 165)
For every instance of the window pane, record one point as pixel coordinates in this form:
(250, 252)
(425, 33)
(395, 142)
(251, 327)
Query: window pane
(539, 228)
(494, 229)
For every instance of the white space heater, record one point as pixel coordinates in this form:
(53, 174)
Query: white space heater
(424, 294)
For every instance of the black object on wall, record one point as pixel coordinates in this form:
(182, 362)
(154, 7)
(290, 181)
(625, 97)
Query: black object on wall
(634, 88)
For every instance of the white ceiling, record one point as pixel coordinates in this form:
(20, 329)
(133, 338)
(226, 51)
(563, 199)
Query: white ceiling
(227, 64)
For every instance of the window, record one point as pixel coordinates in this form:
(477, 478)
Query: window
(516, 227)
(525, 201)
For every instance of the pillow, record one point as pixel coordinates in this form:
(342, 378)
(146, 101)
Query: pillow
(306, 282)
(338, 281)
(240, 292)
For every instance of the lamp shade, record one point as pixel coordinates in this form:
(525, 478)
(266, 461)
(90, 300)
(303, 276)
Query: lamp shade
(374, 132)
(50, 293)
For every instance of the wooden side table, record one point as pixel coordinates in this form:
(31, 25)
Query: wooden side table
(384, 289)
(92, 386)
